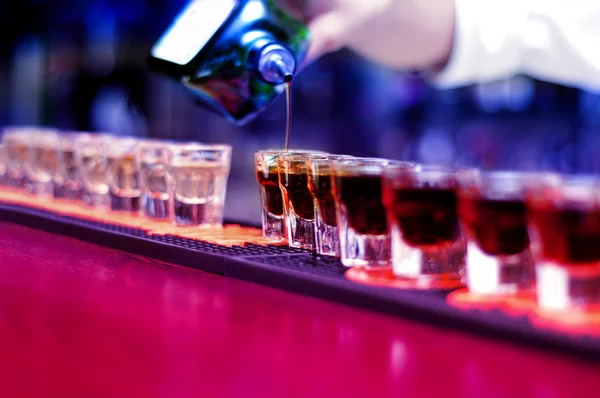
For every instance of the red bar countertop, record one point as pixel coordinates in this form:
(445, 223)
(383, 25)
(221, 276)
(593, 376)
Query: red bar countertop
(80, 320)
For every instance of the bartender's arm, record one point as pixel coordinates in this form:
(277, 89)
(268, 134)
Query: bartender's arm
(464, 41)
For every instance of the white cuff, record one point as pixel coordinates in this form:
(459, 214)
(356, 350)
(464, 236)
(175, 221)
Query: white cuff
(486, 42)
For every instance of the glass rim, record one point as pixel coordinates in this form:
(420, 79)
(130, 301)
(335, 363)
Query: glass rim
(93, 137)
(283, 150)
(360, 166)
(420, 172)
(197, 146)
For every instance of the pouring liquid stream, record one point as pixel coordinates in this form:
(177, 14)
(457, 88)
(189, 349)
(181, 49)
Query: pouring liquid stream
(288, 122)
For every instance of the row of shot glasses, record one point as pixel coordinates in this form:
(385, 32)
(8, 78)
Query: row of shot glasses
(500, 233)
(182, 182)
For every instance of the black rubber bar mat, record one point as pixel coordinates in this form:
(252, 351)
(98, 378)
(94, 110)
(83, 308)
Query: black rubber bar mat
(302, 272)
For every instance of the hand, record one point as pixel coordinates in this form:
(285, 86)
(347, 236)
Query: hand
(401, 34)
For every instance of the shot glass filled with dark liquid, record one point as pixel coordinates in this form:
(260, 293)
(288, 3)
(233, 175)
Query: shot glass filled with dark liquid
(327, 239)
(361, 217)
(493, 212)
(564, 220)
(3, 177)
(422, 215)
(298, 205)
(267, 175)
(16, 142)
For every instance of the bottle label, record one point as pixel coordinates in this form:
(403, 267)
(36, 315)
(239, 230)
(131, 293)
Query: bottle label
(192, 29)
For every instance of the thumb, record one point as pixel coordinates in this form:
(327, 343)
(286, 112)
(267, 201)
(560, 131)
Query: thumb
(327, 33)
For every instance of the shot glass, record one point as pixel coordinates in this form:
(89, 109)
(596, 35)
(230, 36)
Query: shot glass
(361, 216)
(198, 176)
(564, 221)
(422, 215)
(3, 176)
(16, 141)
(93, 168)
(327, 240)
(67, 182)
(267, 175)
(298, 205)
(493, 211)
(42, 162)
(123, 174)
(152, 158)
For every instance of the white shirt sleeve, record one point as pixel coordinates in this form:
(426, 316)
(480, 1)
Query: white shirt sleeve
(552, 40)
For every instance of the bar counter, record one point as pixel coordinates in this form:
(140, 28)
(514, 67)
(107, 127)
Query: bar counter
(81, 320)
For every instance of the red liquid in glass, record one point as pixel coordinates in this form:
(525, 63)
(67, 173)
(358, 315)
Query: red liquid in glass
(568, 236)
(361, 195)
(499, 227)
(298, 194)
(426, 217)
(269, 180)
(320, 186)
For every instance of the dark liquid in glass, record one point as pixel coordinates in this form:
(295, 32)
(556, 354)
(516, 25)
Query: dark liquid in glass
(568, 236)
(426, 217)
(499, 227)
(299, 195)
(269, 180)
(361, 196)
(320, 186)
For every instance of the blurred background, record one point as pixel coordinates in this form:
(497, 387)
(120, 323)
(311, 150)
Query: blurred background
(80, 65)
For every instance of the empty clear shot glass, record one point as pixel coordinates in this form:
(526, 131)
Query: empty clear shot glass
(152, 158)
(564, 221)
(327, 240)
(42, 162)
(198, 176)
(361, 217)
(67, 182)
(16, 141)
(298, 204)
(93, 168)
(123, 174)
(493, 211)
(421, 205)
(267, 175)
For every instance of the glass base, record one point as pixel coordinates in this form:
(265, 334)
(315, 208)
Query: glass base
(300, 233)
(128, 204)
(499, 274)
(98, 200)
(430, 264)
(357, 250)
(16, 182)
(45, 189)
(327, 239)
(71, 194)
(565, 288)
(273, 227)
(205, 214)
(157, 208)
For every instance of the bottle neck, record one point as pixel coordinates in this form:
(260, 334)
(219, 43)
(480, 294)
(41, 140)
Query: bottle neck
(276, 64)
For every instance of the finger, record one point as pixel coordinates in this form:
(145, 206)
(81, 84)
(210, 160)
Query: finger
(327, 33)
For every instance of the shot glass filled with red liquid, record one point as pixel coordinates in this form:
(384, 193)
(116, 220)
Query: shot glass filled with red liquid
(493, 211)
(426, 238)
(298, 204)
(327, 239)
(564, 219)
(267, 175)
(361, 218)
